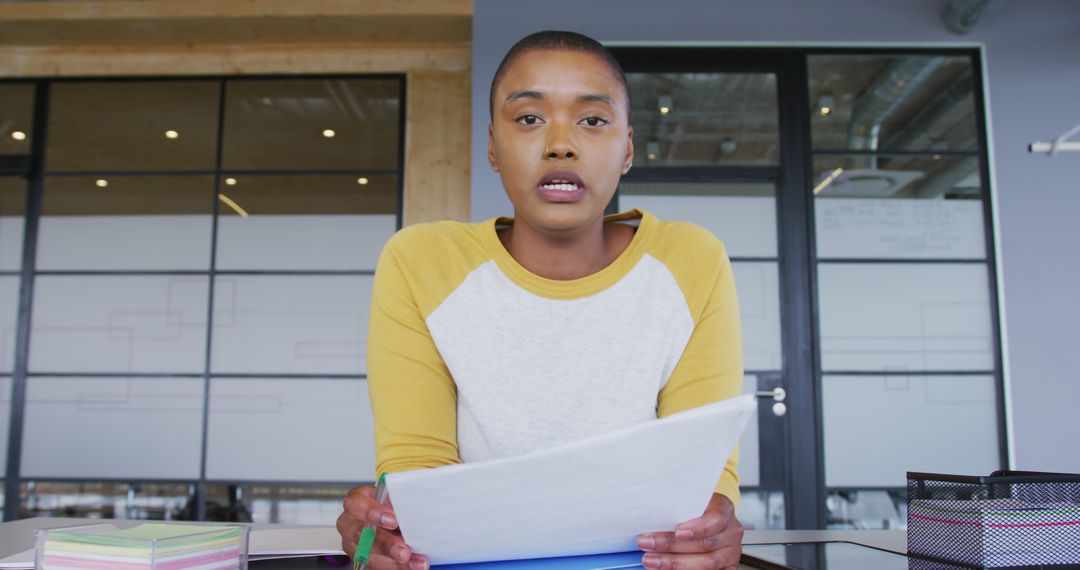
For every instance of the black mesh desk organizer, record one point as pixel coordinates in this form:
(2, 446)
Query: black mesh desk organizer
(1017, 520)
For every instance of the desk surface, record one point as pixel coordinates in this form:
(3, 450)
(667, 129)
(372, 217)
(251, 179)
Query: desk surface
(18, 536)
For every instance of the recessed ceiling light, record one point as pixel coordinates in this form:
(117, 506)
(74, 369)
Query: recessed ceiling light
(362, 181)
(230, 181)
(664, 103)
(18, 135)
(101, 183)
(652, 150)
(171, 134)
(825, 105)
(328, 133)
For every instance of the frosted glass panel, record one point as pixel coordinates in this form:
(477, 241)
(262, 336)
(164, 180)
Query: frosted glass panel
(119, 324)
(292, 429)
(127, 428)
(759, 308)
(303, 242)
(9, 311)
(133, 223)
(305, 222)
(905, 317)
(291, 324)
(749, 445)
(11, 235)
(937, 424)
(745, 223)
(12, 210)
(5, 420)
(898, 228)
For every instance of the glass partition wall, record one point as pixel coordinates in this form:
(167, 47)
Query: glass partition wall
(184, 337)
(199, 280)
(849, 190)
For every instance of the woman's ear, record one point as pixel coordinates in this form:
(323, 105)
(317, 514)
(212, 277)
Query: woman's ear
(629, 160)
(491, 148)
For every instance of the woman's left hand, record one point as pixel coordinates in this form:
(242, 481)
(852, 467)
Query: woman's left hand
(709, 542)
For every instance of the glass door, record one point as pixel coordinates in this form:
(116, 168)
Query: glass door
(707, 151)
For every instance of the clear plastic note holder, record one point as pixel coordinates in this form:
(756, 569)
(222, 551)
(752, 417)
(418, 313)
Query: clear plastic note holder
(101, 546)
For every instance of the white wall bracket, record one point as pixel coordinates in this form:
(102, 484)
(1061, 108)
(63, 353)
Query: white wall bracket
(1060, 144)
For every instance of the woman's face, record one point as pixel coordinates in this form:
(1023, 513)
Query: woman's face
(560, 138)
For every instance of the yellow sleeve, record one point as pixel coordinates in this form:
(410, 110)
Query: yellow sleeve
(413, 398)
(711, 367)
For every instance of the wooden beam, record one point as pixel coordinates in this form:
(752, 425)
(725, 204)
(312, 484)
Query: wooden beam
(438, 125)
(68, 61)
(184, 9)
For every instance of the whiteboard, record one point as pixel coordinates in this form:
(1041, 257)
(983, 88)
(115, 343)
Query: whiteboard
(900, 228)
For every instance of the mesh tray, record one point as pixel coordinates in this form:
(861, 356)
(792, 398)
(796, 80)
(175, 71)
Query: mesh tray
(1011, 519)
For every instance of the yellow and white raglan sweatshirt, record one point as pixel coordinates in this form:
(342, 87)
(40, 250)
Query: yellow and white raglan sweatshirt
(471, 357)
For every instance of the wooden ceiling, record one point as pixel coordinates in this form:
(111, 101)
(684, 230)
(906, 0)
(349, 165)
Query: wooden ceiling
(155, 22)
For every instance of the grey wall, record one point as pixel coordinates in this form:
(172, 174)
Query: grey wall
(1033, 70)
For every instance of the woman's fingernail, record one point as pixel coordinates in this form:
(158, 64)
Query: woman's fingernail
(418, 565)
(684, 534)
(403, 554)
(651, 561)
(388, 520)
(646, 543)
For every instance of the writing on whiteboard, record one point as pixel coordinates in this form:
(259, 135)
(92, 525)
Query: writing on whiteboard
(901, 228)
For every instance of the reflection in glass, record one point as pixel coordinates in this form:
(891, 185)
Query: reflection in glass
(102, 323)
(300, 324)
(287, 428)
(886, 102)
(909, 207)
(932, 424)
(278, 504)
(271, 124)
(683, 119)
(16, 118)
(866, 509)
(904, 317)
(121, 126)
(924, 177)
(109, 500)
(12, 211)
(305, 222)
(134, 222)
(742, 215)
(761, 510)
(105, 419)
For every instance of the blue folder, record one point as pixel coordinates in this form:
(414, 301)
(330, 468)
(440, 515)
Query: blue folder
(592, 562)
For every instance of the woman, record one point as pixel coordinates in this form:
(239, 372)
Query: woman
(497, 338)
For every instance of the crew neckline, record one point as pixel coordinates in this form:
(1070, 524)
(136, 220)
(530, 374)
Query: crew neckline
(571, 288)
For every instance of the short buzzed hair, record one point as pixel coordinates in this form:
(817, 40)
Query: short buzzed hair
(558, 40)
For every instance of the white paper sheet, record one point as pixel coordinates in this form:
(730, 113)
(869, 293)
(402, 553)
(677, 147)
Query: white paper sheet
(587, 497)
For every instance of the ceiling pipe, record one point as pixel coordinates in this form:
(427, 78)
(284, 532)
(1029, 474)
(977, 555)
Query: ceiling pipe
(961, 16)
(955, 94)
(884, 96)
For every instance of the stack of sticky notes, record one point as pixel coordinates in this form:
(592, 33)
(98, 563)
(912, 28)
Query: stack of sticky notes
(144, 547)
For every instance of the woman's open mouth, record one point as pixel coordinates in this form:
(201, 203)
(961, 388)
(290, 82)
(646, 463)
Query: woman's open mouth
(561, 186)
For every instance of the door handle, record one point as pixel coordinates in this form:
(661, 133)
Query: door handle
(778, 395)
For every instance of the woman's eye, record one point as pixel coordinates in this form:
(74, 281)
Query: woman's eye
(528, 119)
(595, 121)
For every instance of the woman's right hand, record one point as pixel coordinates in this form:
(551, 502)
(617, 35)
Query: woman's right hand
(389, 551)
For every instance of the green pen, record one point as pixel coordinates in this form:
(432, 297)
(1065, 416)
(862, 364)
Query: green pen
(367, 536)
